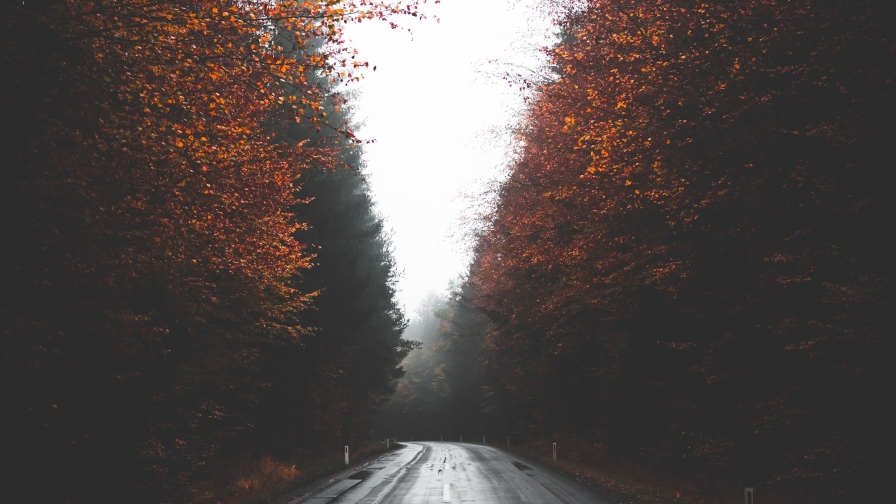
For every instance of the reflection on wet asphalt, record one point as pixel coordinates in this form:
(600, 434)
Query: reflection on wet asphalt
(435, 472)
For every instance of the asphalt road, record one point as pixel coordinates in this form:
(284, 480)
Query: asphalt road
(433, 472)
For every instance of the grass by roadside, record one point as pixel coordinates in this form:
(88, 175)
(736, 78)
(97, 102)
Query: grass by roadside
(259, 480)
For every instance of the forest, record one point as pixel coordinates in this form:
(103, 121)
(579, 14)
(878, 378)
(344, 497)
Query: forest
(196, 281)
(686, 276)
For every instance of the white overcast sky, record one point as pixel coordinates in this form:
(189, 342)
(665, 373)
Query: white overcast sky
(432, 106)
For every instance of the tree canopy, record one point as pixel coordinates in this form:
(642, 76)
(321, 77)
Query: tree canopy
(153, 236)
(688, 269)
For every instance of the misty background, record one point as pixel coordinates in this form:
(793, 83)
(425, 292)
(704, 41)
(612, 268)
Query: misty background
(439, 112)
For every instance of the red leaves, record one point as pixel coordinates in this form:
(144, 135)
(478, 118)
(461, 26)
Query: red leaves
(191, 87)
(700, 154)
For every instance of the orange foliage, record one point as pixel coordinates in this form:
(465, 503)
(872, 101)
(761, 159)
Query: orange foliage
(157, 143)
(147, 202)
(699, 193)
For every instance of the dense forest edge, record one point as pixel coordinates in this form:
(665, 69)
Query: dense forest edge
(687, 277)
(198, 297)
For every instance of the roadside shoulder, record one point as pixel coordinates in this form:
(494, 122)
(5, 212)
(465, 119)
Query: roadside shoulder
(608, 488)
(303, 492)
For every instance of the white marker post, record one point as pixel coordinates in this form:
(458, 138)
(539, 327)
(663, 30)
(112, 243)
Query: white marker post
(346, 455)
(555, 452)
(387, 443)
(748, 496)
(483, 439)
(508, 441)
(461, 439)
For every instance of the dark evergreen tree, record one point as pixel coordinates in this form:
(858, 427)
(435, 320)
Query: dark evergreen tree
(326, 387)
(447, 391)
(414, 410)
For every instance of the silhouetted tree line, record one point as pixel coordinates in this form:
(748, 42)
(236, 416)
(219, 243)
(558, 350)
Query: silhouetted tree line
(441, 394)
(332, 382)
(690, 268)
(190, 275)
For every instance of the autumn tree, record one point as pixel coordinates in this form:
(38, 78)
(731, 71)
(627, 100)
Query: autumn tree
(146, 201)
(693, 239)
(347, 366)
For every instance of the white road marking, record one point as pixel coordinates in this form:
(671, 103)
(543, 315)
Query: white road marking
(446, 492)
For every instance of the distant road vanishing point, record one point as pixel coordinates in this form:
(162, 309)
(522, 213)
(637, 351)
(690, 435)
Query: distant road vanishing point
(435, 472)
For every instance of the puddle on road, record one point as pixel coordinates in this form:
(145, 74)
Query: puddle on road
(362, 474)
(521, 466)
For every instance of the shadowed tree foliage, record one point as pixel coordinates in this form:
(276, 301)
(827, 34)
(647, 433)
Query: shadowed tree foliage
(446, 392)
(689, 269)
(347, 367)
(415, 408)
(150, 258)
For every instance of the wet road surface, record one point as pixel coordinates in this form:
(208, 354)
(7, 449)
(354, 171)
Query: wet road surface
(435, 472)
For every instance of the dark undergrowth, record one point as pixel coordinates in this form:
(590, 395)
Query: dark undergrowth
(263, 479)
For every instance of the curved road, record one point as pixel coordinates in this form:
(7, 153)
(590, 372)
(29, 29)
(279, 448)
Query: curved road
(434, 472)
